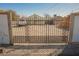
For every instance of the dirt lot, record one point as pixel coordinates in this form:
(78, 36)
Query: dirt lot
(41, 50)
(32, 50)
(37, 30)
(38, 33)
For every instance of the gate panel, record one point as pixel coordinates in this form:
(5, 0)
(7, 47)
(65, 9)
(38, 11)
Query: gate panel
(39, 33)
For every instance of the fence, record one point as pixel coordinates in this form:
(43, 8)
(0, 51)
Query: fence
(38, 31)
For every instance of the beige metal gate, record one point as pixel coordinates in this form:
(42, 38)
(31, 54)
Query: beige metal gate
(39, 31)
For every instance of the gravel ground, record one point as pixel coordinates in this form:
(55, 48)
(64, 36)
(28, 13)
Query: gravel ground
(32, 50)
(41, 50)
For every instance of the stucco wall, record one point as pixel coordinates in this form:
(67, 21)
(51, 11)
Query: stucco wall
(75, 37)
(4, 32)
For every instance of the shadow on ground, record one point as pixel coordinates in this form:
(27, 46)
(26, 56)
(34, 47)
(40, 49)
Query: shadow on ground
(70, 50)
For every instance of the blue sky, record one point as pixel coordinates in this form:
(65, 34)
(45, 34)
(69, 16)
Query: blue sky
(41, 8)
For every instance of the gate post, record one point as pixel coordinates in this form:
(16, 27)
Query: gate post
(74, 29)
(70, 29)
(5, 29)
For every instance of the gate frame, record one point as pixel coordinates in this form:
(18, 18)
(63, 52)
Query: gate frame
(9, 26)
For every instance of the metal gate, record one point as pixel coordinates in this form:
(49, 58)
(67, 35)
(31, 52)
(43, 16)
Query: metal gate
(38, 31)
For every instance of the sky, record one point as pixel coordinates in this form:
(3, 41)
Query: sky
(26, 9)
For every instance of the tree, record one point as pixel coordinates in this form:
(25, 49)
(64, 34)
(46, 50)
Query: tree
(1, 10)
(14, 15)
(65, 24)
